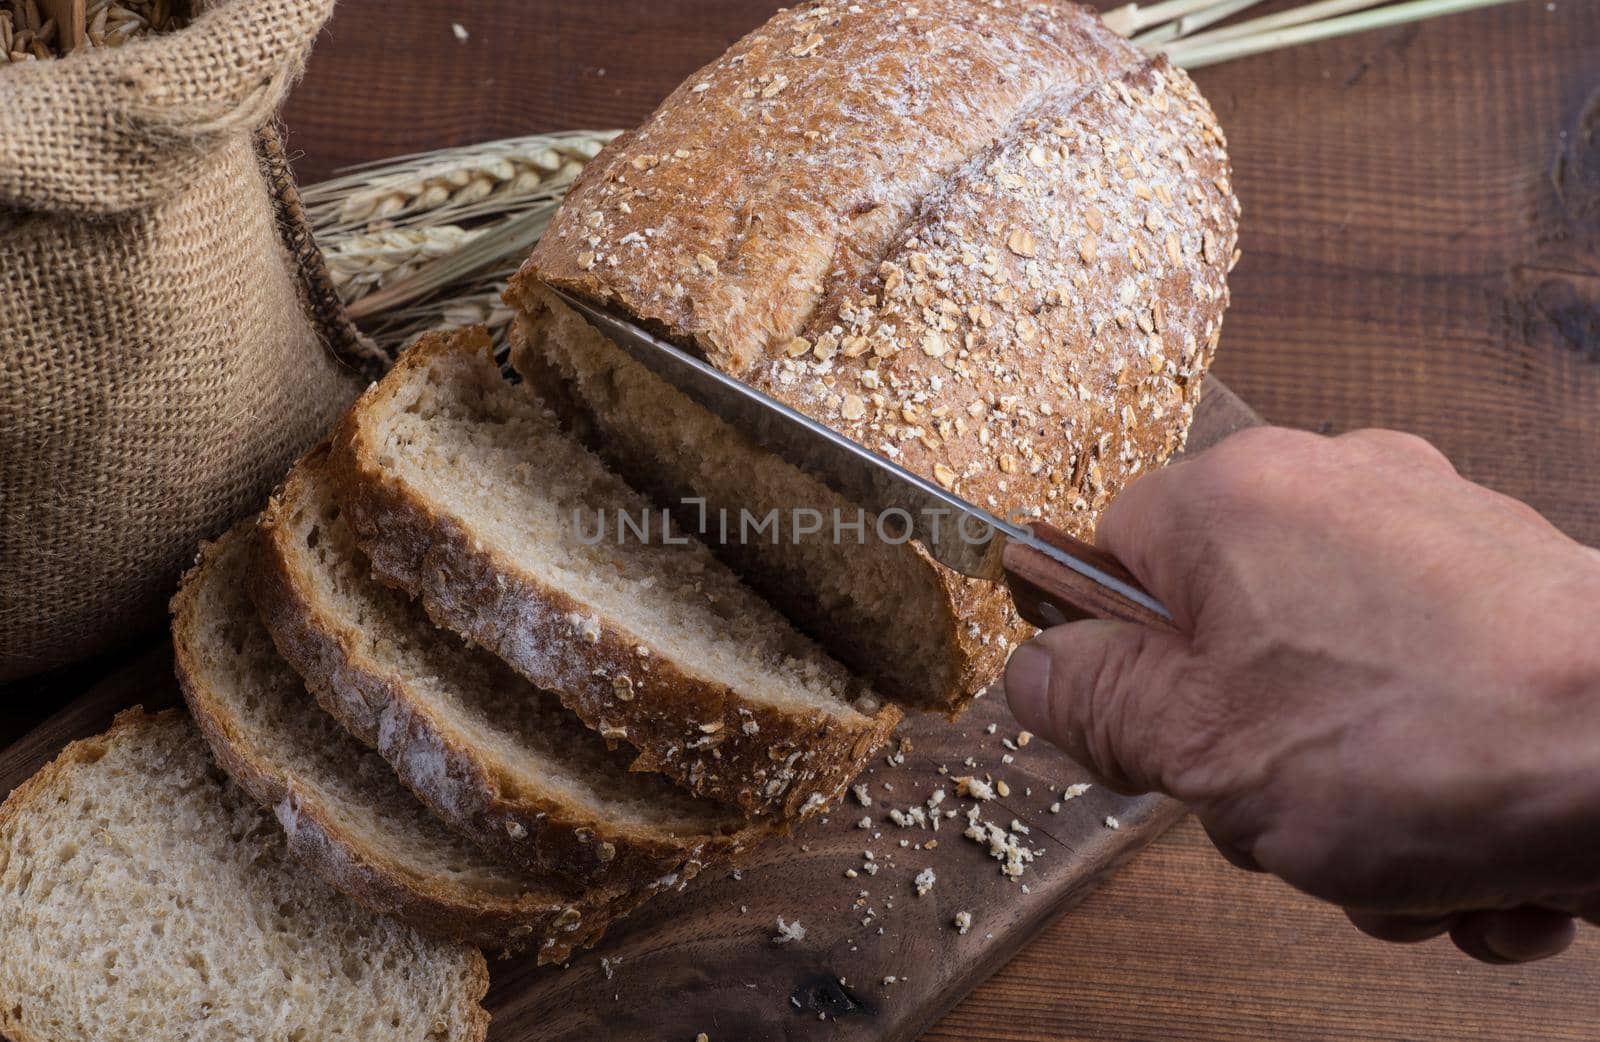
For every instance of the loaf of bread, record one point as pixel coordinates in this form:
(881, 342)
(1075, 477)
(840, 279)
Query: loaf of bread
(345, 814)
(145, 898)
(988, 239)
(462, 490)
(492, 756)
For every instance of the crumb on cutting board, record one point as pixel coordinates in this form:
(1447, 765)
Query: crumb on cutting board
(789, 932)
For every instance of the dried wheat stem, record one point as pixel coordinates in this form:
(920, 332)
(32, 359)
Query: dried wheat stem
(361, 264)
(1197, 55)
(511, 238)
(1282, 20)
(1192, 23)
(453, 185)
(1130, 18)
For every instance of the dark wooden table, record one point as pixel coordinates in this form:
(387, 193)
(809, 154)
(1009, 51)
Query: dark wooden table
(1421, 250)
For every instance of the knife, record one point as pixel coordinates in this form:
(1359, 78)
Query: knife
(1053, 577)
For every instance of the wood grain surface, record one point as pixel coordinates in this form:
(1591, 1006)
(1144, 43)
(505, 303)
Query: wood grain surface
(1421, 250)
(1421, 243)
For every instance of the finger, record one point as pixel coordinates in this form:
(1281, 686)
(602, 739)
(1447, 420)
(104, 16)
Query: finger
(1234, 855)
(1400, 929)
(1164, 525)
(1513, 935)
(1140, 519)
(1104, 693)
(1402, 445)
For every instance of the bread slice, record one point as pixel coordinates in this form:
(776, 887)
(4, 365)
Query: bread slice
(494, 757)
(463, 491)
(882, 606)
(346, 815)
(146, 898)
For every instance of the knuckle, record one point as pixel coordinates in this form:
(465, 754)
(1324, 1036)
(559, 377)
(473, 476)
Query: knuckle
(1266, 444)
(1392, 444)
(1254, 467)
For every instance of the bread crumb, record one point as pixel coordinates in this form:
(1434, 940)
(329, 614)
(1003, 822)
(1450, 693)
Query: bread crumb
(962, 922)
(974, 788)
(1003, 846)
(862, 795)
(789, 932)
(1112, 823)
(924, 882)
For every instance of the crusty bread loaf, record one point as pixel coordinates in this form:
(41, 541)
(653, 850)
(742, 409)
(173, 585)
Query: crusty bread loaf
(462, 491)
(345, 814)
(145, 898)
(494, 757)
(987, 238)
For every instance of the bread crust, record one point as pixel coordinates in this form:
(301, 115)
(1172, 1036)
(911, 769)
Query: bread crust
(1008, 273)
(556, 923)
(791, 163)
(699, 731)
(129, 723)
(532, 828)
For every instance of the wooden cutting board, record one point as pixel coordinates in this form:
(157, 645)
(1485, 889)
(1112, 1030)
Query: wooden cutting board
(876, 960)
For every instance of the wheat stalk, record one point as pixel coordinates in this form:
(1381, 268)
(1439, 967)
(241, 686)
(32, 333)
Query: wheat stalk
(419, 240)
(453, 185)
(1200, 52)
(1192, 22)
(363, 263)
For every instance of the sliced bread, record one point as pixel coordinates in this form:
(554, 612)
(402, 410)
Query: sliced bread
(880, 605)
(146, 898)
(463, 491)
(496, 758)
(345, 813)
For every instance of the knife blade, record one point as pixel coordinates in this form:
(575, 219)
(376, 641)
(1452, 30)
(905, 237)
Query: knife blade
(958, 534)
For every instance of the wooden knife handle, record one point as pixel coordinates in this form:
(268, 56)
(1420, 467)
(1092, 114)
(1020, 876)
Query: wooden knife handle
(1048, 593)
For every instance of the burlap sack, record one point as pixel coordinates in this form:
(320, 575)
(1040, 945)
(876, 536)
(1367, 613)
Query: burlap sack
(168, 340)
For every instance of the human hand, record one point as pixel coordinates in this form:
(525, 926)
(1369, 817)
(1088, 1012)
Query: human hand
(1386, 689)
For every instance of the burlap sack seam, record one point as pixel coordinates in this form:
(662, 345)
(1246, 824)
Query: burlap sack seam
(317, 293)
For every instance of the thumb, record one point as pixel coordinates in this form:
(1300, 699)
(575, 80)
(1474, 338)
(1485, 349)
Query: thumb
(1100, 691)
